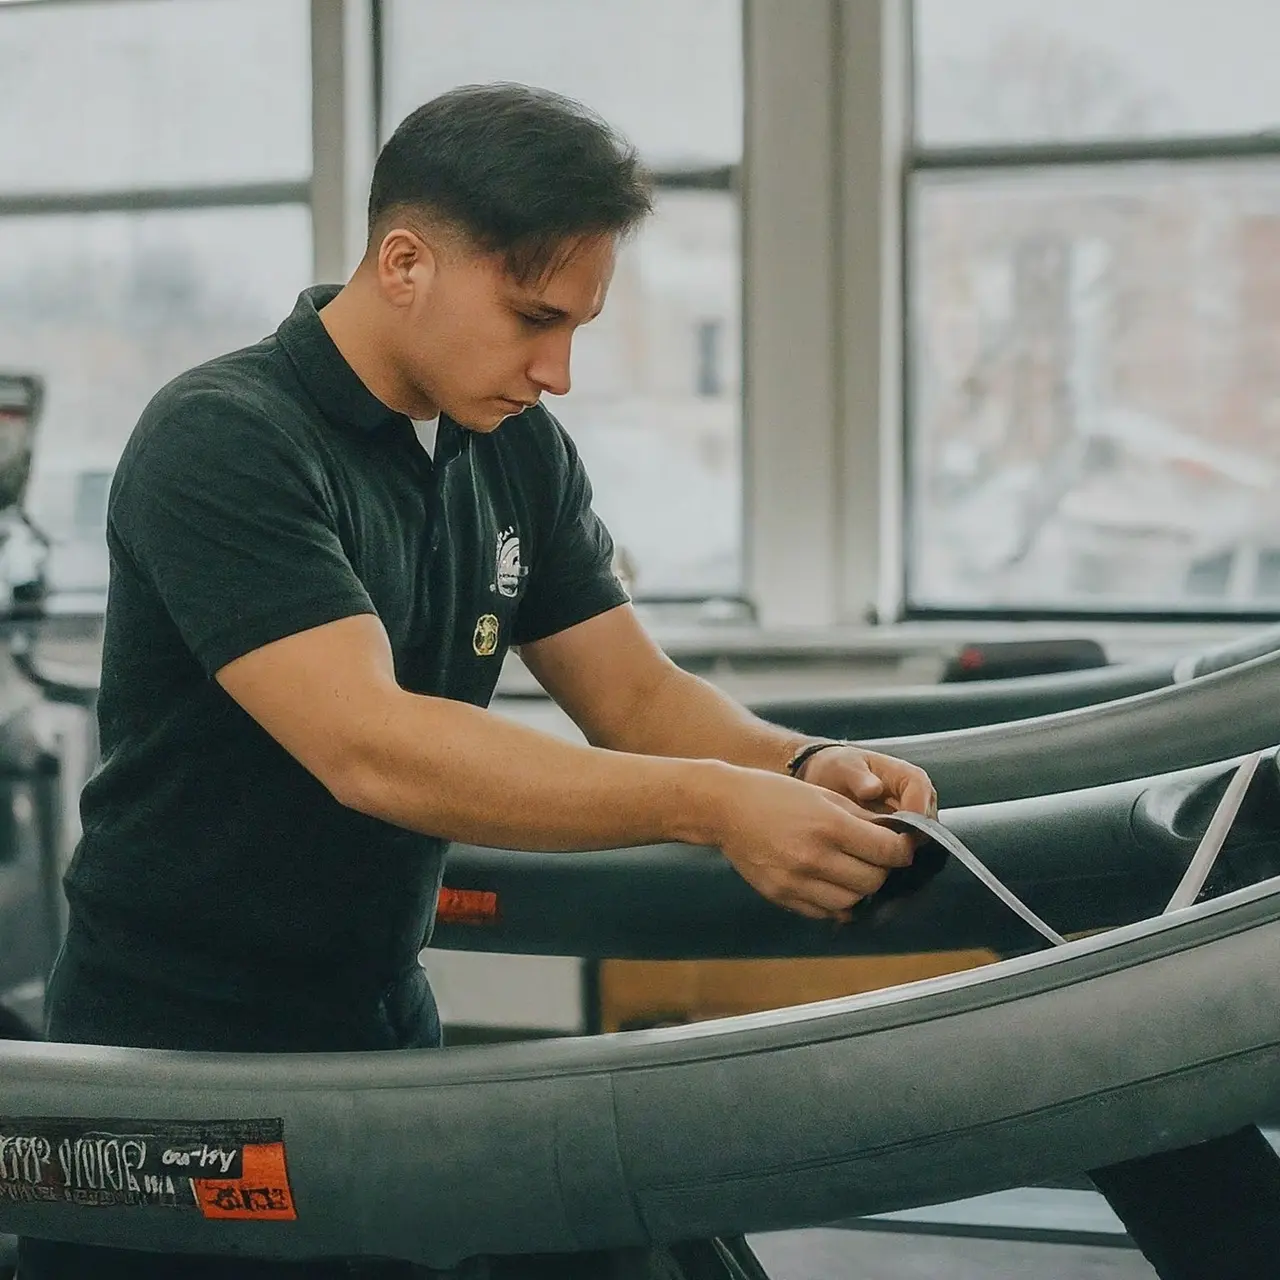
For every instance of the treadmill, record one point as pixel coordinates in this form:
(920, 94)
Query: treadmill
(933, 708)
(1100, 857)
(1140, 1029)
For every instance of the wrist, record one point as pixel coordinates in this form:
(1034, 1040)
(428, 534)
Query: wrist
(799, 759)
(703, 799)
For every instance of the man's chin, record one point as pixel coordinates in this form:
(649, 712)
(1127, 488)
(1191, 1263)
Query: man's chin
(486, 417)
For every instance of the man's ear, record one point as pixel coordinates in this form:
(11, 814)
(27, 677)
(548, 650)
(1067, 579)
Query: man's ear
(406, 266)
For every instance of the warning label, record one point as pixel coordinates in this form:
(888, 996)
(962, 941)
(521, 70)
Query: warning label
(223, 1168)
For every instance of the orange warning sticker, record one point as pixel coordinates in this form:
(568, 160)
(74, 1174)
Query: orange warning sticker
(466, 906)
(261, 1192)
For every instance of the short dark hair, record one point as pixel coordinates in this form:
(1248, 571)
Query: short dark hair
(521, 170)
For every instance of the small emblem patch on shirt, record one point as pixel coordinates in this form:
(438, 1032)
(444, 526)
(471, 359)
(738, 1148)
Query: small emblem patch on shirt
(485, 640)
(509, 568)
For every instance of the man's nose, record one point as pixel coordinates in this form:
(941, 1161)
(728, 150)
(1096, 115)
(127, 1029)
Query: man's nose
(549, 369)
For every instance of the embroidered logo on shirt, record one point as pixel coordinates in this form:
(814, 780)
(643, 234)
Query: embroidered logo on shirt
(509, 569)
(485, 640)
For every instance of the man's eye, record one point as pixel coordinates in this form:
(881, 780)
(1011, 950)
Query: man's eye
(537, 322)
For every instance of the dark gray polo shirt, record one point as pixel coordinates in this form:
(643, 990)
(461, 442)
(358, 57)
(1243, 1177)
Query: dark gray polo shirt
(261, 494)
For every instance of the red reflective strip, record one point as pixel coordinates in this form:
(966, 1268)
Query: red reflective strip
(466, 906)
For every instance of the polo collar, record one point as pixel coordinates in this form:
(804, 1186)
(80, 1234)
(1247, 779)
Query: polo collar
(332, 383)
(336, 387)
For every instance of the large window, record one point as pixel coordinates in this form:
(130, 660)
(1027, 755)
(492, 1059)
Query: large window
(655, 407)
(1094, 307)
(107, 307)
(154, 161)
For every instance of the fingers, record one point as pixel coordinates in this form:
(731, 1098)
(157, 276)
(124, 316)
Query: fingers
(864, 785)
(907, 783)
(856, 837)
(821, 899)
(845, 874)
(818, 852)
(882, 783)
(818, 879)
(802, 908)
(847, 774)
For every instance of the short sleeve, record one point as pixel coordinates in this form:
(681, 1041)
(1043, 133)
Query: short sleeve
(227, 517)
(572, 578)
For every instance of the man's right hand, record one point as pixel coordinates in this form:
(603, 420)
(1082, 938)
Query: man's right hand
(803, 847)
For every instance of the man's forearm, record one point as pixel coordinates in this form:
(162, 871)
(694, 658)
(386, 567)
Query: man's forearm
(686, 716)
(449, 769)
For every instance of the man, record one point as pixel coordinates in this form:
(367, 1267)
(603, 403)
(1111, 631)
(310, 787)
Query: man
(321, 548)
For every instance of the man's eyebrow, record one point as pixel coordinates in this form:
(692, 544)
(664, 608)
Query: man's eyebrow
(545, 311)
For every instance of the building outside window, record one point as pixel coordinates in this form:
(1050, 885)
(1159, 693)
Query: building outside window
(710, 345)
(1094, 307)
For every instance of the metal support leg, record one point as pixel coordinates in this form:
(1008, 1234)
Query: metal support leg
(46, 794)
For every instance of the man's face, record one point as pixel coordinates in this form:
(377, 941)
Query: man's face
(482, 346)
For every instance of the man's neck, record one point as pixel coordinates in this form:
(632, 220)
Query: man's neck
(349, 319)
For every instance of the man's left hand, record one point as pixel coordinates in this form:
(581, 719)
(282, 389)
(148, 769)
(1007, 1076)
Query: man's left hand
(880, 784)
